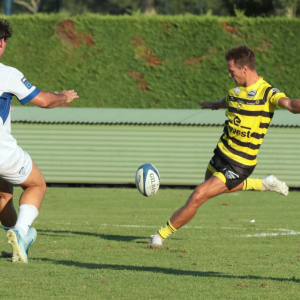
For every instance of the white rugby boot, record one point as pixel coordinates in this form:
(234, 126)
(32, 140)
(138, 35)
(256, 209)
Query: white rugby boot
(271, 183)
(16, 239)
(30, 238)
(156, 240)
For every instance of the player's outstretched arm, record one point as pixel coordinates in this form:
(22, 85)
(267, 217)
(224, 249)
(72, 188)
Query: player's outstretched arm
(293, 105)
(51, 100)
(222, 103)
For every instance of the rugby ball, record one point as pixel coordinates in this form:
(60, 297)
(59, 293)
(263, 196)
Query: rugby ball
(147, 180)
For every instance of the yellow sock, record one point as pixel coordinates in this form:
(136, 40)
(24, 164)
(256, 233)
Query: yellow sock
(166, 231)
(253, 184)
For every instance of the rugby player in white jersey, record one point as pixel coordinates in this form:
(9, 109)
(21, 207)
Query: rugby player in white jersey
(16, 166)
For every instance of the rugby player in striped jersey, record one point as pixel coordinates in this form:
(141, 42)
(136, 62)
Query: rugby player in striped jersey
(250, 108)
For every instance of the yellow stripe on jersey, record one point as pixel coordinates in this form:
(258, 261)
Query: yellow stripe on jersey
(249, 114)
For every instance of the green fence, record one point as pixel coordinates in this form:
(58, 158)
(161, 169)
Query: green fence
(99, 150)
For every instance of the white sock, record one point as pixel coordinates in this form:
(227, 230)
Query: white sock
(27, 214)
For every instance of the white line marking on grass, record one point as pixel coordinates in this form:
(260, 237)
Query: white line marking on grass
(135, 226)
(62, 223)
(184, 227)
(285, 231)
(288, 232)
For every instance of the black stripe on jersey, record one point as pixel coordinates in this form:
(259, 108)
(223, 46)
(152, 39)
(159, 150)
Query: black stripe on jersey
(268, 89)
(236, 152)
(232, 161)
(246, 101)
(251, 113)
(246, 127)
(264, 125)
(239, 143)
(247, 145)
(257, 135)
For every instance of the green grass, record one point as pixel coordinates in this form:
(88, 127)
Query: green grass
(85, 250)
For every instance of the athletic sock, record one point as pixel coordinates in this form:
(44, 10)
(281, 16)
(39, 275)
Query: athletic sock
(253, 184)
(166, 231)
(27, 214)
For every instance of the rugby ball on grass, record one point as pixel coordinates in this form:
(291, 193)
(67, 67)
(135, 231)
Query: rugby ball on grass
(147, 180)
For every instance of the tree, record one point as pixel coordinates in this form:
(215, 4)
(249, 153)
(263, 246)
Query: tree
(148, 7)
(251, 8)
(33, 7)
(196, 7)
(287, 7)
(121, 7)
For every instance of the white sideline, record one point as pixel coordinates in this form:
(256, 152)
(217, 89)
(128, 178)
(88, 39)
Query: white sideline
(285, 231)
(288, 232)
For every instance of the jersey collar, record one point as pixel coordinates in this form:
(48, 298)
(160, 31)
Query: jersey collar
(253, 86)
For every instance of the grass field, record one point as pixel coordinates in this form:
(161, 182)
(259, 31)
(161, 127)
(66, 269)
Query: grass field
(94, 244)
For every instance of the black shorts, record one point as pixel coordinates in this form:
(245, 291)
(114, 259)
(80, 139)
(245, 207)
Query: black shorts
(229, 173)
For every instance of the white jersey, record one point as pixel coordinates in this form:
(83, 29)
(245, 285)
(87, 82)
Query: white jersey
(12, 83)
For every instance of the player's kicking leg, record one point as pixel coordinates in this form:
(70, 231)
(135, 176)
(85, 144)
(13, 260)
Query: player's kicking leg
(269, 183)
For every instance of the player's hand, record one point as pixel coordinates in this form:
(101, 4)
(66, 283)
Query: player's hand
(71, 95)
(209, 105)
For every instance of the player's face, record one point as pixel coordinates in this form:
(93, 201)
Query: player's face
(237, 74)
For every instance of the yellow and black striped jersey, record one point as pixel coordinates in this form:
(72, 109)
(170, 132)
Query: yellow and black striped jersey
(250, 110)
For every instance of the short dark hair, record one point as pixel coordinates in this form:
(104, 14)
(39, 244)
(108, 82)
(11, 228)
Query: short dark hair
(5, 30)
(242, 56)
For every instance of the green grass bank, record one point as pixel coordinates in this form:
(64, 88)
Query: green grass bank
(149, 62)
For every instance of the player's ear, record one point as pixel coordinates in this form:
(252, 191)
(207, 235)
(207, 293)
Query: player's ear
(2, 42)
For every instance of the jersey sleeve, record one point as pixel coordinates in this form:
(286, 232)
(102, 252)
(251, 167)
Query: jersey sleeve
(227, 97)
(20, 87)
(275, 96)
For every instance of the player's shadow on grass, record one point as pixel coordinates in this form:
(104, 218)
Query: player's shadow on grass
(167, 271)
(109, 237)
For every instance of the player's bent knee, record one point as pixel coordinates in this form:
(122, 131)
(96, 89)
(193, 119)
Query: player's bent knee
(198, 197)
(43, 185)
(193, 204)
